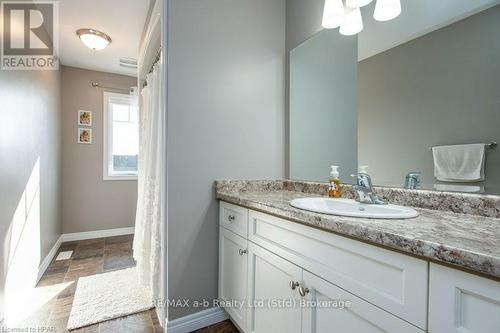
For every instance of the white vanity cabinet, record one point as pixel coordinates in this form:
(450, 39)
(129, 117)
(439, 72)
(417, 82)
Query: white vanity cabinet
(392, 281)
(234, 218)
(233, 273)
(273, 279)
(331, 315)
(272, 260)
(460, 302)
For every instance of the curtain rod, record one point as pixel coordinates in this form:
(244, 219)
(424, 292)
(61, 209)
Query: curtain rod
(156, 60)
(100, 85)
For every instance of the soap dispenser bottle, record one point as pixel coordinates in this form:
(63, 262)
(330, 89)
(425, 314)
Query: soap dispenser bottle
(334, 188)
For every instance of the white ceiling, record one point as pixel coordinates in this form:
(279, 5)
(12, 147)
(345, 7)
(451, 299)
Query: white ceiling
(122, 20)
(418, 18)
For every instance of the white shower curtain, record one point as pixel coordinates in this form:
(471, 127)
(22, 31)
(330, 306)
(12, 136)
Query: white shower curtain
(147, 222)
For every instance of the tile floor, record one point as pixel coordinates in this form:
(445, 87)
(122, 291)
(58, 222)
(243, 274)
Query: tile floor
(93, 257)
(222, 327)
(89, 257)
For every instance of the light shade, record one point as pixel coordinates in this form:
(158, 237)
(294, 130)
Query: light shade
(333, 14)
(93, 39)
(386, 10)
(357, 3)
(353, 23)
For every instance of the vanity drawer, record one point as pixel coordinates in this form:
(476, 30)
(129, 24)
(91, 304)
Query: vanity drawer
(392, 281)
(234, 218)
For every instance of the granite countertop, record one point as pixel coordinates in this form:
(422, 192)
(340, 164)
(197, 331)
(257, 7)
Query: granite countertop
(468, 241)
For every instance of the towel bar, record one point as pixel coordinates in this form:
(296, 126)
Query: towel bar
(491, 145)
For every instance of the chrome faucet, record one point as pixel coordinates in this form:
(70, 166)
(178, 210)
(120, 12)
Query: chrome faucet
(364, 189)
(412, 180)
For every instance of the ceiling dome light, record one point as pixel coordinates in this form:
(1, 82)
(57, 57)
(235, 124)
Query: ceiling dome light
(386, 10)
(333, 14)
(353, 23)
(357, 3)
(93, 39)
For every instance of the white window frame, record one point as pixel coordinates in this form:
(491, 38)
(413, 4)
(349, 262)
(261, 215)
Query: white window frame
(108, 138)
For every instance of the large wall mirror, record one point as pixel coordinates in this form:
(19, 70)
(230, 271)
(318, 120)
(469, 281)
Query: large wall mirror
(384, 98)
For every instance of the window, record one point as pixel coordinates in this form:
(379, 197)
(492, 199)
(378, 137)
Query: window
(121, 137)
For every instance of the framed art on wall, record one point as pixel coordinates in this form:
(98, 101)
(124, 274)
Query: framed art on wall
(84, 118)
(85, 136)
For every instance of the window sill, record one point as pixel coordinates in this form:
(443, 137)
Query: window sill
(129, 177)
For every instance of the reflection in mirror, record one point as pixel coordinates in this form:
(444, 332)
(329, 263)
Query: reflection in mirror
(323, 111)
(418, 82)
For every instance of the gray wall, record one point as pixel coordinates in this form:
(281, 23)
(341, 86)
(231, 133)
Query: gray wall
(225, 101)
(29, 209)
(323, 107)
(442, 88)
(89, 202)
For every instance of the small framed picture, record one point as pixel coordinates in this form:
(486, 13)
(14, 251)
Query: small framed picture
(84, 118)
(85, 136)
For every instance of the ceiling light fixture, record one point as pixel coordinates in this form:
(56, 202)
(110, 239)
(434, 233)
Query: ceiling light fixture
(386, 10)
(93, 39)
(348, 17)
(353, 22)
(333, 14)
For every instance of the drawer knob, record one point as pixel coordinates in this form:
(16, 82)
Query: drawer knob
(303, 291)
(293, 284)
(231, 218)
(242, 252)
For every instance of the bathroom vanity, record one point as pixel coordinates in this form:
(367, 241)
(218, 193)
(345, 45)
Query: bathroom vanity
(438, 272)
(417, 113)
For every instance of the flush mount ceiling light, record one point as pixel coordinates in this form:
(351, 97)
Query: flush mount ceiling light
(93, 39)
(348, 16)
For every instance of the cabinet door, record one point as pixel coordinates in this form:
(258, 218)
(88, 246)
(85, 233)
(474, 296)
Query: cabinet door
(328, 309)
(392, 281)
(270, 279)
(233, 274)
(461, 302)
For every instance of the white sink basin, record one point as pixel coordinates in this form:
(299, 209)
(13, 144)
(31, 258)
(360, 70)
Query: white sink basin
(352, 208)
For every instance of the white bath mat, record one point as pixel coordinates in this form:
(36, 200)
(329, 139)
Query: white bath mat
(107, 296)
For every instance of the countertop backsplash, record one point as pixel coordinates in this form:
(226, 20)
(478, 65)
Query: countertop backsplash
(460, 203)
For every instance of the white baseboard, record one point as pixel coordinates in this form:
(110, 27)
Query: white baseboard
(197, 320)
(48, 259)
(77, 236)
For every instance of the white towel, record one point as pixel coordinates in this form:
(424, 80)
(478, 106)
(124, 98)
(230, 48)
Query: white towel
(458, 188)
(459, 163)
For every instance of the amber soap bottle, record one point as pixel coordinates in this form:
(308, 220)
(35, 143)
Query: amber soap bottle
(334, 187)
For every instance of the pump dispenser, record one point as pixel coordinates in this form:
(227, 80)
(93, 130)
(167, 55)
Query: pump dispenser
(334, 188)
